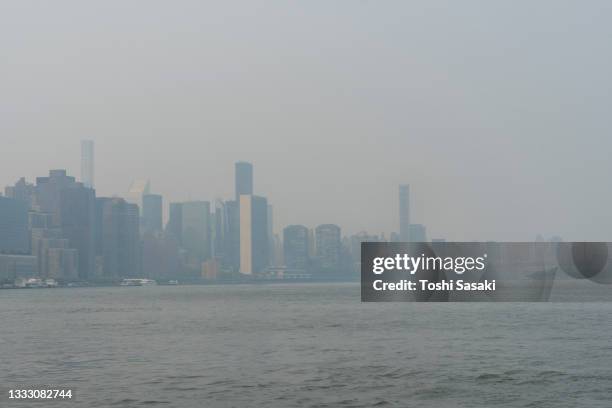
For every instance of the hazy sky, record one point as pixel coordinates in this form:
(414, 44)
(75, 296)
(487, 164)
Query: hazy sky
(497, 113)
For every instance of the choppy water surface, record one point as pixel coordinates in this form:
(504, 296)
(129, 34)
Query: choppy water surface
(301, 345)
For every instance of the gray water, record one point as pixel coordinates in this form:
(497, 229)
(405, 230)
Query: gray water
(310, 345)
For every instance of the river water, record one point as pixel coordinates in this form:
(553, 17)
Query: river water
(312, 345)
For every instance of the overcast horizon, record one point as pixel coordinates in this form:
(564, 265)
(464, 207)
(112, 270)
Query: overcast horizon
(489, 111)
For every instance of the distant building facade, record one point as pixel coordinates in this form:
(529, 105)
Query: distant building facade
(174, 227)
(254, 242)
(196, 232)
(22, 191)
(296, 248)
(13, 267)
(138, 189)
(418, 233)
(118, 244)
(152, 211)
(77, 222)
(328, 248)
(14, 235)
(243, 179)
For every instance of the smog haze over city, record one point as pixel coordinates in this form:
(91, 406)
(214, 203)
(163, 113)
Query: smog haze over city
(500, 136)
(239, 203)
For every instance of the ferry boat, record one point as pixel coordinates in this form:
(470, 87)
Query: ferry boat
(51, 283)
(138, 282)
(34, 283)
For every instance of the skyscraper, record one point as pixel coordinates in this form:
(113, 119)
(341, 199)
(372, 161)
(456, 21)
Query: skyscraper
(47, 193)
(218, 231)
(328, 248)
(87, 163)
(14, 226)
(55, 257)
(295, 248)
(119, 237)
(77, 222)
(71, 208)
(417, 233)
(174, 227)
(254, 251)
(404, 212)
(196, 228)
(22, 190)
(152, 212)
(138, 189)
(231, 260)
(272, 256)
(244, 179)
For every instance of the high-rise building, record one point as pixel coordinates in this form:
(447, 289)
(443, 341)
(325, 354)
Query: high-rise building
(174, 227)
(87, 163)
(138, 189)
(404, 212)
(295, 248)
(14, 235)
(55, 257)
(62, 221)
(22, 190)
(118, 244)
(218, 231)
(152, 205)
(196, 229)
(17, 266)
(77, 222)
(62, 264)
(231, 260)
(417, 233)
(272, 256)
(328, 248)
(254, 251)
(210, 269)
(244, 179)
(355, 244)
(160, 257)
(47, 193)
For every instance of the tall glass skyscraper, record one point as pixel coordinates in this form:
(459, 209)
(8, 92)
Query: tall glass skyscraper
(244, 179)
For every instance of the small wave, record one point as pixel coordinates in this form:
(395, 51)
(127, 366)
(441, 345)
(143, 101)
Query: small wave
(488, 376)
(124, 402)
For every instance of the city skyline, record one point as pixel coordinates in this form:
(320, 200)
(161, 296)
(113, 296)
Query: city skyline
(243, 183)
(490, 131)
(59, 229)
